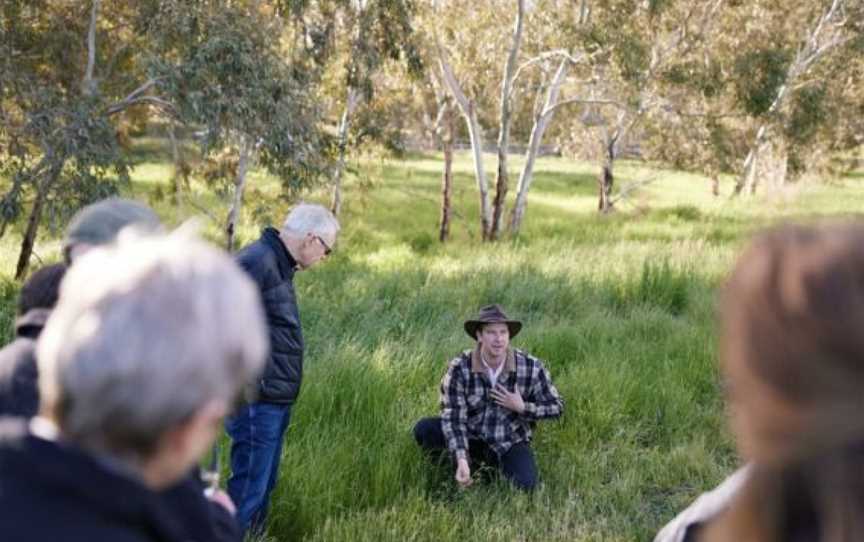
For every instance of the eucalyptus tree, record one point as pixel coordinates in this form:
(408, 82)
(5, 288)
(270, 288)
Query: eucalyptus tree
(774, 95)
(230, 75)
(361, 36)
(633, 45)
(817, 34)
(67, 73)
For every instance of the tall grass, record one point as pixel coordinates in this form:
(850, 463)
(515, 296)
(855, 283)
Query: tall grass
(621, 308)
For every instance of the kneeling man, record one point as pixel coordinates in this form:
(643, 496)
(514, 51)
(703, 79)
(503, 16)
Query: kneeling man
(490, 398)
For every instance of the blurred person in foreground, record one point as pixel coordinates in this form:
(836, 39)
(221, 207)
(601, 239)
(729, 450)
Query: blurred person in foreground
(18, 372)
(99, 223)
(792, 354)
(258, 428)
(491, 397)
(148, 347)
(95, 225)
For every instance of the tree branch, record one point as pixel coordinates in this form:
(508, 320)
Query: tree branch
(591, 101)
(165, 105)
(88, 85)
(545, 56)
(450, 79)
(625, 190)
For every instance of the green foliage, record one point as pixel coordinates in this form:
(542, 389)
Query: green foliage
(809, 111)
(231, 77)
(705, 77)
(8, 303)
(758, 76)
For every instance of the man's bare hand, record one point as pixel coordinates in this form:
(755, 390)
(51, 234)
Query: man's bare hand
(507, 399)
(463, 473)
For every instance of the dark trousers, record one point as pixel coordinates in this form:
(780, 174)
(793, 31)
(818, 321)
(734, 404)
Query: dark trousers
(257, 431)
(517, 465)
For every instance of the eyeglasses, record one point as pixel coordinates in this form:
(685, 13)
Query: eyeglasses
(327, 249)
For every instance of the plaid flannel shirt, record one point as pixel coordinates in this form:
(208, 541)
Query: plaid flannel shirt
(468, 411)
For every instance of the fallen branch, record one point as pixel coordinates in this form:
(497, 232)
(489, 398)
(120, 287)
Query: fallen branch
(625, 190)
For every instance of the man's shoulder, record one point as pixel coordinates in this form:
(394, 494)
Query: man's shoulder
(254, 252)
(258, 260)
(527, 359)
(461, 360)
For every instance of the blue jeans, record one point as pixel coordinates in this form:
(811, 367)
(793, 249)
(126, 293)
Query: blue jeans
(257, 431)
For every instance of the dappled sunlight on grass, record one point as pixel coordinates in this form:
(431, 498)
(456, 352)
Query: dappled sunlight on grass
(391, 258)
(620, 307)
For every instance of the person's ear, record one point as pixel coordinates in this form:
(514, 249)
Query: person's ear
(185, 443)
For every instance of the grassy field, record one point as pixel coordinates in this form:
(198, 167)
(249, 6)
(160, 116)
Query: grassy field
(621, 308)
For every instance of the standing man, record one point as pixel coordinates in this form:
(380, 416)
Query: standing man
(258, 428)
(490, 398)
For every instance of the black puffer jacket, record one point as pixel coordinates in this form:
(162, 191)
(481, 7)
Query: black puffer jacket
(272, 268)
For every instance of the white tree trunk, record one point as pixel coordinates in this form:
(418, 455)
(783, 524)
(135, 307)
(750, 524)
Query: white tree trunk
(351, 101)
(476, 136)
(816, 46)
(88, 85)
(541, 122)
(239, 188)
(502, 182)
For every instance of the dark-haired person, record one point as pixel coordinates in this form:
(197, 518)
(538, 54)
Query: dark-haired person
(18, 372)
(792, 353)
(491, 396)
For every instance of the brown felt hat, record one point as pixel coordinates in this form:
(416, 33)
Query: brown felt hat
(492, 314)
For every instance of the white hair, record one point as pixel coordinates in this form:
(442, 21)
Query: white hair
(145, 333)
(310, 218)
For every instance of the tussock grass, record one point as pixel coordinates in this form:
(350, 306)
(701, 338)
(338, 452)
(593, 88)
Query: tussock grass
(621, 308)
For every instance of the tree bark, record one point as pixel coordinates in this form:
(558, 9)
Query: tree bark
(29, 240)
(239, 188)
(88, 85)
(351, 101)
(606, 180)
(180, 167)
(476, 137)
(502, 182)
(447, 175)
(541, 122)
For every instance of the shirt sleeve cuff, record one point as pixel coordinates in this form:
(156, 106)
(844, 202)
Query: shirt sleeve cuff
(530, 410)
(460, 454)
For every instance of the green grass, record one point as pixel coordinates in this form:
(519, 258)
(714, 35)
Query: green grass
(621, 307)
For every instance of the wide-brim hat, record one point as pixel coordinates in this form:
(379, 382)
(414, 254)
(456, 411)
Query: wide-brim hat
(492, 314)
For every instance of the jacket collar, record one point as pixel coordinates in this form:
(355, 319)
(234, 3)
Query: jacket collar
(287, 264)
(477, 363)
(30, 324)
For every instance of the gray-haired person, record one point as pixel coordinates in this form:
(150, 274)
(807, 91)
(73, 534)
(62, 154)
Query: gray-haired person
(258, 428)
(148, 347)
(99, 223)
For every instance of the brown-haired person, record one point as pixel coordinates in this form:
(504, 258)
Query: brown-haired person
(19, 395)
(491, 398)
(792, 354)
